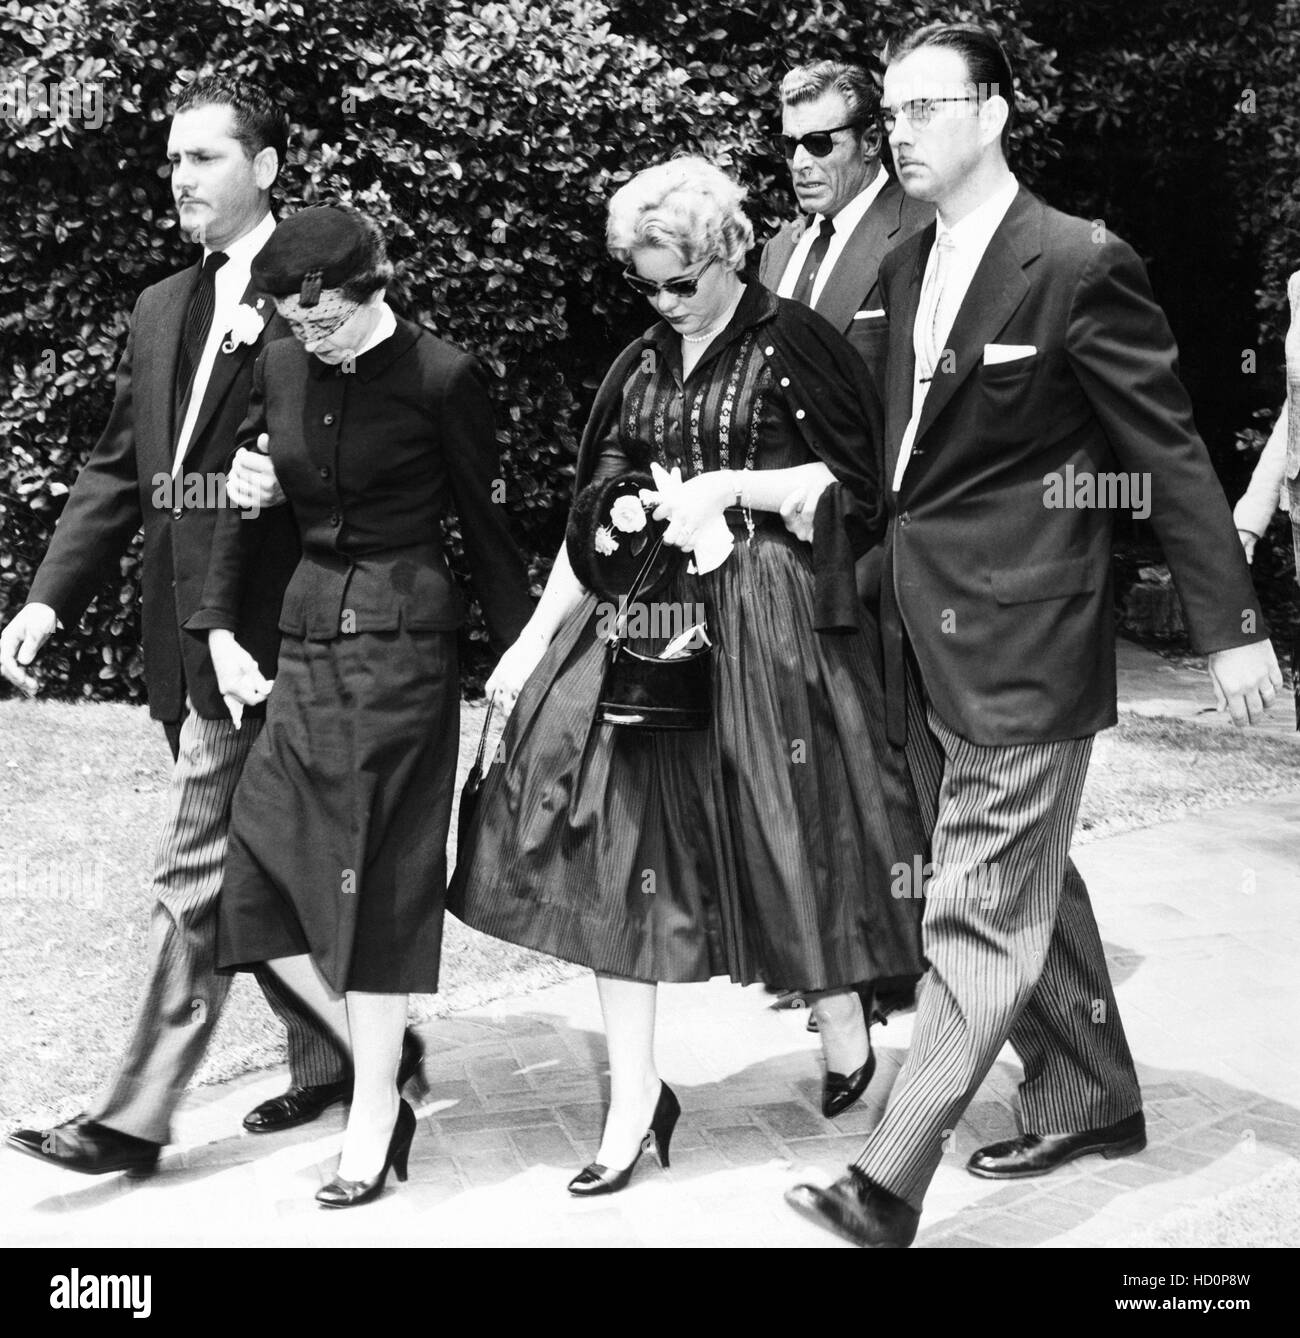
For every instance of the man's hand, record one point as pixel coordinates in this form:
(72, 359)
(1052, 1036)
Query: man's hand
(252, 482)
(1248, 542)
(239, 679)
(30, 629)
(799, 510)
(1246, 679)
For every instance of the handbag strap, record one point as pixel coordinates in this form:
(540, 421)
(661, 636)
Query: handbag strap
(483, 737)
(635, 589)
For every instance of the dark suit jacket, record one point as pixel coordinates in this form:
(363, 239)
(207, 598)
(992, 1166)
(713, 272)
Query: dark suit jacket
(851, 289)
(370, 460)
(118, 491)
(1007, 602)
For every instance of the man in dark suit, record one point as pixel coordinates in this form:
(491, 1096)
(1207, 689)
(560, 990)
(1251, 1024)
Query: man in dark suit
(832, 141)
(1032, 384)
(181, 393)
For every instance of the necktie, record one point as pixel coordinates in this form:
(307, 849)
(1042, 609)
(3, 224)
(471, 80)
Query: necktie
(929, 313)
(803, 290)
(198, 321)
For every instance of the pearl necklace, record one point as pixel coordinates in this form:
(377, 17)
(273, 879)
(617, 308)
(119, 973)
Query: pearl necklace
(721, 325)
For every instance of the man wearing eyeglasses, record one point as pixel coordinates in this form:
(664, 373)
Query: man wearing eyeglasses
(1022, 343)
(831, 140)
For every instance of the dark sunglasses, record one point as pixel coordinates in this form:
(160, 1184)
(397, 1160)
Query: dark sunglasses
(677, 287)
(818, 142)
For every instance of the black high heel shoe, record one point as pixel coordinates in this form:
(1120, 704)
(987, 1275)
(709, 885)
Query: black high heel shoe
(839, 1091)
(597, 1179)
(340, 1193)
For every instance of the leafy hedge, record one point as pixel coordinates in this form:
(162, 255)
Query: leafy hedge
(487, 138)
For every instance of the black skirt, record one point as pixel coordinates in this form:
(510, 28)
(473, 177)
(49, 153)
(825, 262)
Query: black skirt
(765, 848)
(338, 830)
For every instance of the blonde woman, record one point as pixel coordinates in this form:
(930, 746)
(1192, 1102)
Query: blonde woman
(758, 848)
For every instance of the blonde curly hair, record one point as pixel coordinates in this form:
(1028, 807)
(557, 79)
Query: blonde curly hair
(687, 205)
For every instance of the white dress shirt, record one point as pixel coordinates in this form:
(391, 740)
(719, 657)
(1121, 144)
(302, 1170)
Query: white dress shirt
(970, 238)
(229, 283)
(845, 221)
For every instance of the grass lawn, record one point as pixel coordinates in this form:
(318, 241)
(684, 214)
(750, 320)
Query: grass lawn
(82, 792)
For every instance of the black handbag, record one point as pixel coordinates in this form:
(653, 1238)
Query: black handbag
(646, 691)
(473, 787)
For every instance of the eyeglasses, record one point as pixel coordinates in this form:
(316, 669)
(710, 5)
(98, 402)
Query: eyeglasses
(676, 287)
(312, 332)
(818, 142)
(919, 111)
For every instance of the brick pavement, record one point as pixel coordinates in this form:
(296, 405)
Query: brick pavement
(1201, 919)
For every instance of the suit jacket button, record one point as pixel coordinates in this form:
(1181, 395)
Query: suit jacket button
(785, 381)
(328, 419)
(176, 515)
(799, 413)
(904, 518)
(769, 350)
(325, 471)
(336, 518)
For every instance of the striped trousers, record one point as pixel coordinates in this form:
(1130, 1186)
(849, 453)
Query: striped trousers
(1014, 954)
(183, 994)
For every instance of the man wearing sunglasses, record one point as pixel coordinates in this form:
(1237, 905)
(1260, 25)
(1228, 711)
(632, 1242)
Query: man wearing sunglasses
(831, 140)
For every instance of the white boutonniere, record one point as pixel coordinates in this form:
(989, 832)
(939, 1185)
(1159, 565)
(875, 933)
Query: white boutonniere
(245, 327)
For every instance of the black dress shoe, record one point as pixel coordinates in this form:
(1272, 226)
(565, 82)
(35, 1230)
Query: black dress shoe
(1038, 1154)
(859, 1210)
(82, 1144)
(299, 1105)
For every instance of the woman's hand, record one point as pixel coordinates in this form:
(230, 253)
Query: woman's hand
(688, 507)
(1248, 542)
(239, 679)
(799, 510)
(514, 668)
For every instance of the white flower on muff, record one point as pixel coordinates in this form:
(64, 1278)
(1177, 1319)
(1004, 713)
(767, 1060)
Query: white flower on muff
(245, 327)
(606, 544)
(628, 515)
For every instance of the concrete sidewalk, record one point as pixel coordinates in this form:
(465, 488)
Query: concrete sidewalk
(1201, 918)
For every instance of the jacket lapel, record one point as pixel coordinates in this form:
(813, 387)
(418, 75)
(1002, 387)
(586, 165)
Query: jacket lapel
(157, 388)
(227, 365)
(858, 266)
(777, 254)
(904, 299)
(996, 290)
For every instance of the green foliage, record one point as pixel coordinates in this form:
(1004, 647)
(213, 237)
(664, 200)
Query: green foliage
(1181, 118)
(487, 138)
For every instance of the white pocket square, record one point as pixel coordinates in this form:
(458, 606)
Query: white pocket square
(867, 315)
(995, 353)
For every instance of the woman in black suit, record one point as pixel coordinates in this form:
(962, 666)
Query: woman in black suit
(336, 870)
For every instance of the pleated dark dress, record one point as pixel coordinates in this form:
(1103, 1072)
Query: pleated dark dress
(338, 828)
(763, 847)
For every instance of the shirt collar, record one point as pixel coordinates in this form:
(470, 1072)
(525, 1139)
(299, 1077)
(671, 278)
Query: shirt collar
(853, 213)
(379, 353)
(973, 233)
(240, 254)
